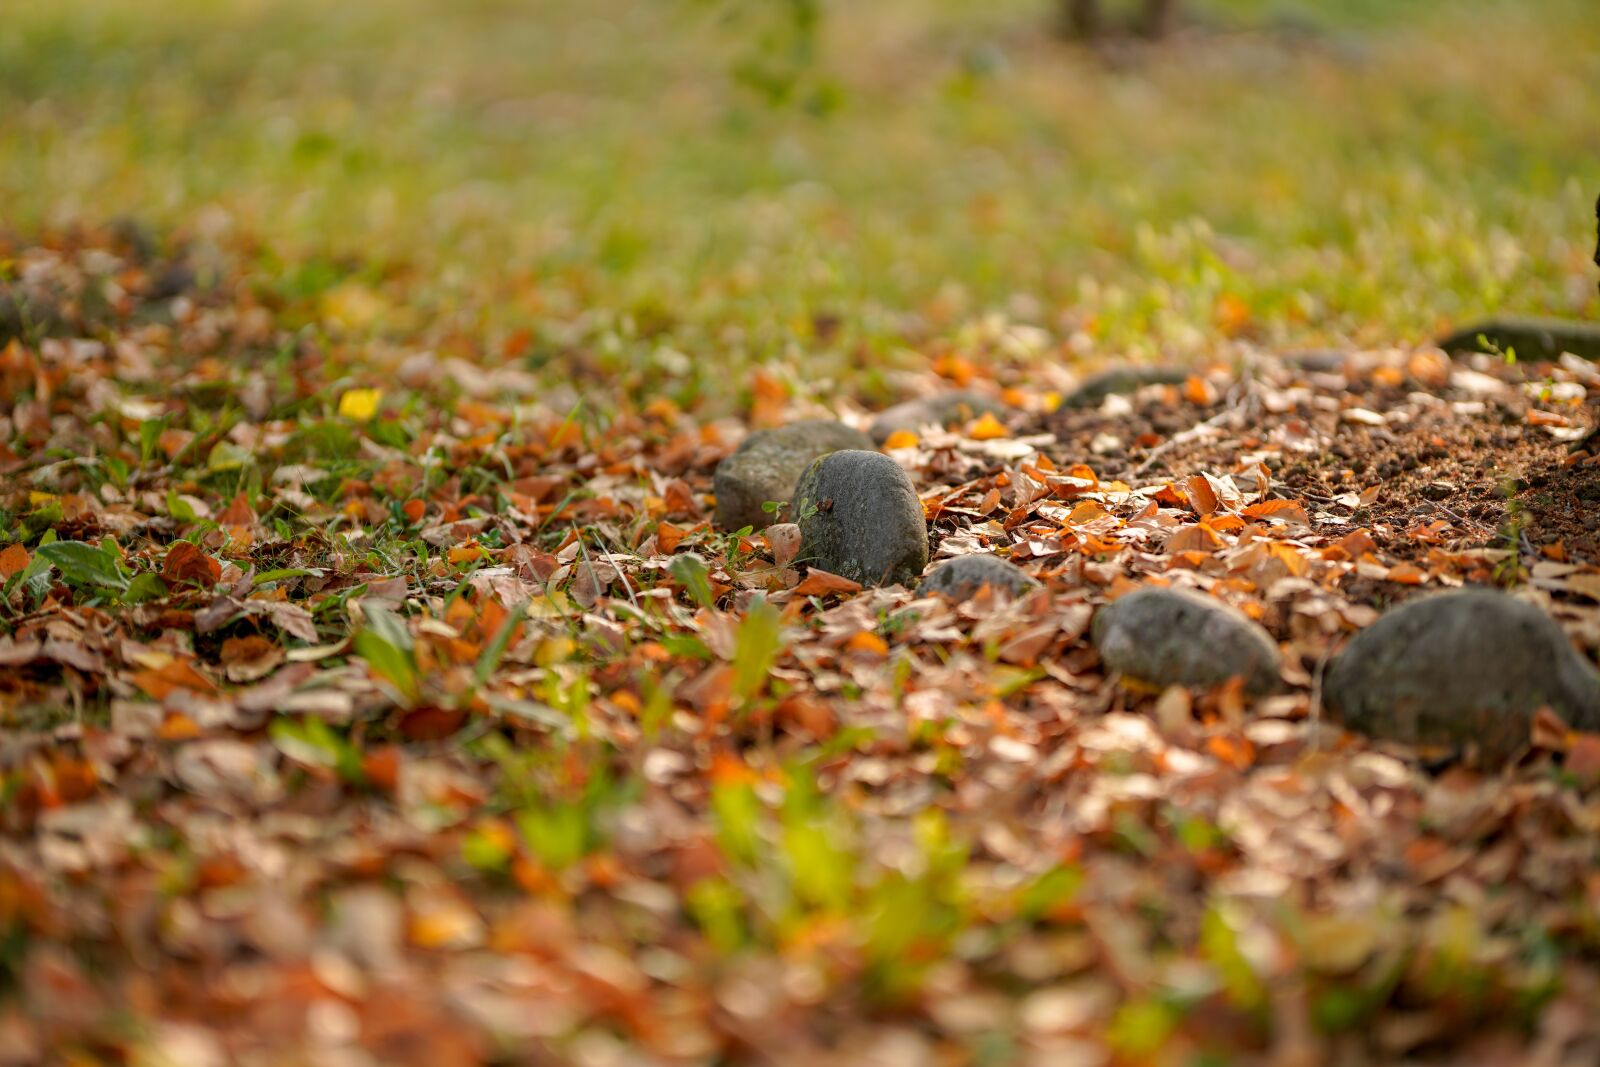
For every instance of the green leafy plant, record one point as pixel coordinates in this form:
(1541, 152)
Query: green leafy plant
(689, 570)
(755, 649)
(100, 570)
(386, 645)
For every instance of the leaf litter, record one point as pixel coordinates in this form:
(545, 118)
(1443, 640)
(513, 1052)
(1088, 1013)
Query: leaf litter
(359, 702)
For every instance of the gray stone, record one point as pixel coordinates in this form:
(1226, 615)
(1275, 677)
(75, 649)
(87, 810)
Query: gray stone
(1181, 637)
(768, 463)
(860, 518)
(962, 577)
(1118, 380)
(1530, 337)
(945, 409)
(1462, 669)
(1318, 361)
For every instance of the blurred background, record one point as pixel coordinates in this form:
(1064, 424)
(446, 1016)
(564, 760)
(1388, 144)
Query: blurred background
(755, 177)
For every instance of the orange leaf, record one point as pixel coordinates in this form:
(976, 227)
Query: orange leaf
(176, 674)
(238, 513)
(807, 716)
(1289, 557)
(770, 398)
(1197, 538)
(867, 641)
(680, 498)
(1087, 511)
(382, 767)
(668, 537)
(1583, 759)
(958, 369)
(729, 769)
(178, 727)
(1290, 511)
(1232, 314)
(1358, 543)
(13, 560)
(431, 724)
(1202, 497)
(445, 923)
(1170, 495)
(185, 562)
(1198, 391)
(988, 428)
(1235, 752)
(821, 583)
(1407, 574)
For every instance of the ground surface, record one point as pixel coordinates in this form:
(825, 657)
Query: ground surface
(375, 690)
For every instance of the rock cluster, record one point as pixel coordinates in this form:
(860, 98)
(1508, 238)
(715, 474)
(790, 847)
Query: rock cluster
(768, 463)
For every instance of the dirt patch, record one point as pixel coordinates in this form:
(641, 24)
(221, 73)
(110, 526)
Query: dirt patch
(1436, 456)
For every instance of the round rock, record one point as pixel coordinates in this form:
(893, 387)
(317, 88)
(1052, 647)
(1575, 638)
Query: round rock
(768, 463)
(1462, 669)
(944, 409)
(1121, 380)
(1181, 637)
(860, 518)
(962, 577)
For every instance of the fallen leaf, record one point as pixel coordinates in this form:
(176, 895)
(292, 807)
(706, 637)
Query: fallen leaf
(821, 583)
(185, 562)
(360, 404)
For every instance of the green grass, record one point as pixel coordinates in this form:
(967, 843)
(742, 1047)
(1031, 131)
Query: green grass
(590, 171)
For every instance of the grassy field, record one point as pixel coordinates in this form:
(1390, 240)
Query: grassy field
(526, 164)
(375, 690)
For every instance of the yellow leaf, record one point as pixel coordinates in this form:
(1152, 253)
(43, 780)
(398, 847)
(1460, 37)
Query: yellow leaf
(901, 439)
(1087, 511)
(987, 428)
(38, 499)
(360, 404)
(352, 306)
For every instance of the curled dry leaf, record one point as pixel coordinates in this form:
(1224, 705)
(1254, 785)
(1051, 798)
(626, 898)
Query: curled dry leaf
(783, 539)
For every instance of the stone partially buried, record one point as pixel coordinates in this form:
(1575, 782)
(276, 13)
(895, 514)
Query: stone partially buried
(1166, 636)
(943, 409)
(1464, 670)
(1118, 381)
(768, 463)
(860, 518)
(962, 577)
